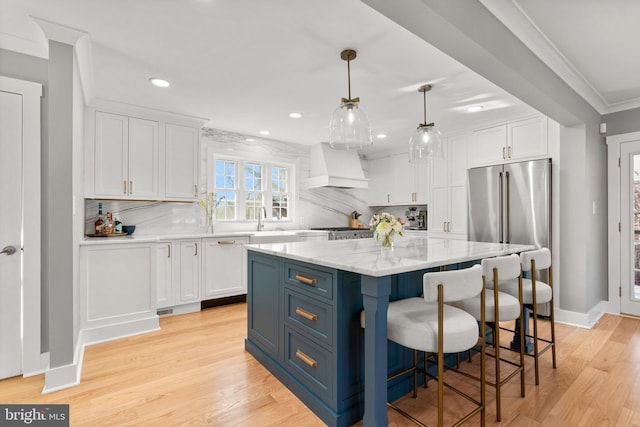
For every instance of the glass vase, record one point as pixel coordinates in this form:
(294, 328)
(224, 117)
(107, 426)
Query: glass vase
(210, 218)
(387, 240)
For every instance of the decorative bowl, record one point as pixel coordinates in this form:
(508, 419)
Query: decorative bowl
(129, 229)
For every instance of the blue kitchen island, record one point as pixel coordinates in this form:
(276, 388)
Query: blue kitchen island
(304, 304)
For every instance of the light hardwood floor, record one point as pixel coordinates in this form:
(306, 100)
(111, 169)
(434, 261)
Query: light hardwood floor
(195, 372)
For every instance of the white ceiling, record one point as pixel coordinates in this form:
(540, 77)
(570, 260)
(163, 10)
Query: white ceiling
(246, 64)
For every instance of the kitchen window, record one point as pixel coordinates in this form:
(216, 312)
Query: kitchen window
(245, 187)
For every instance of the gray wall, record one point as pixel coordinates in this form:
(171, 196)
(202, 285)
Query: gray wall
(58, 217)
(469, 33)
(622, 122)
(30, 68)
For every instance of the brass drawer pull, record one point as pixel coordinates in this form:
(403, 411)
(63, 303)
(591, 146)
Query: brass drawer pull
(226, 242)
(307, 280)
(306, 314)
(125, 187)
(130, 187)
(306, 359)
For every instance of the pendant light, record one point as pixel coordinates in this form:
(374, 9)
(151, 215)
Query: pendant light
(349, 126)
(426, 143)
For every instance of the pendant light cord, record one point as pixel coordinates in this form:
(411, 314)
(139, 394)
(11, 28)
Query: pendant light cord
(349, 78)
(425, 106)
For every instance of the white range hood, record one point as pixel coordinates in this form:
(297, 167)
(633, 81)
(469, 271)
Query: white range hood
(335, 168)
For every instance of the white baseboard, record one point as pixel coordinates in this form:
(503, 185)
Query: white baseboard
(66, 376)
(583, 320)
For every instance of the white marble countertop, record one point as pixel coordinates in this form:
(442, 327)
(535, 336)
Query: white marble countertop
(142, 238)
(368, 257)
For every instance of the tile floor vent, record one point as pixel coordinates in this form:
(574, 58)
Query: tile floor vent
(165, 311)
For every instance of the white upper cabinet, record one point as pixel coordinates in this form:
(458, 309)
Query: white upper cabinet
(395, 181)
(126, 157)
(448, 206)
(139, 154)
(515, 141)
(182, 148)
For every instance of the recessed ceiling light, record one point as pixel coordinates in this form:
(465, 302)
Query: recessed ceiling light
(474, 109)
(159, 82)
(264, 132)
(249, 139)
(295, 115)
(381, 135)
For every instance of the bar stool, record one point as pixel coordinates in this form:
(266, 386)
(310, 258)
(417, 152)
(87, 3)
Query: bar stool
(500, 307)
(431, 326)
(535, 292)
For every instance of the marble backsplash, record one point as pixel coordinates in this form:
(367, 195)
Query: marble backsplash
(316, 207)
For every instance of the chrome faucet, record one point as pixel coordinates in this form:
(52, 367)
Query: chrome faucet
(262, 215)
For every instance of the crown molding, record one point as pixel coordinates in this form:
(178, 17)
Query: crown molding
(521, 25)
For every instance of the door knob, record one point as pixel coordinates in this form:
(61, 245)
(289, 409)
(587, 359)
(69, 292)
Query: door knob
(9, 250)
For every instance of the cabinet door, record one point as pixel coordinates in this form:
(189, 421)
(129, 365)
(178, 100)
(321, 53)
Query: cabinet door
(489, 145)
(422, 184)
(164, 289)
(404, 180)
(438, 211)
(457, 183)
(380, 181)
(224, 267)
(182, 147)
(527, 138)
(264, 303)
(111, 153)
(143, 158)
(189, 271)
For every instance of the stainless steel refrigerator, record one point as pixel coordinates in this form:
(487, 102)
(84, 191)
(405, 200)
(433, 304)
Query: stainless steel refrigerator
(511, 203)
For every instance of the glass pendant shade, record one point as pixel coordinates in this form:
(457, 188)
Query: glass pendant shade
(425, 143)
(349, 127)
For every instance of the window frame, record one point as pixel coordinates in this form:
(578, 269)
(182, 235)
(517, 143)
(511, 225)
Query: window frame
(267, 164)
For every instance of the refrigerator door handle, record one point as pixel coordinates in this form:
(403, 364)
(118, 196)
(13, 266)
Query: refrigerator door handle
(508, 213)
(500, 210)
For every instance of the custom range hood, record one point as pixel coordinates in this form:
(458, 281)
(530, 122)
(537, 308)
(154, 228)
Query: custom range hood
(335, 168)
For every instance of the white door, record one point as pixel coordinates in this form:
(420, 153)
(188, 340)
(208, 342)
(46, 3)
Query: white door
(10, 233)
(630, 228)
(182, 154)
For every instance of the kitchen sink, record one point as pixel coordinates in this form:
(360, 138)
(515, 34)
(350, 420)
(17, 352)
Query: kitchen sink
(273, 237)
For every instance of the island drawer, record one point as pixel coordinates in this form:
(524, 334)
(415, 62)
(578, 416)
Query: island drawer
(309, 279)
(313, 317)
(310, 364)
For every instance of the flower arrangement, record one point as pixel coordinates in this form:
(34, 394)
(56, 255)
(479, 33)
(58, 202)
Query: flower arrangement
(384, 226)
(210, 203)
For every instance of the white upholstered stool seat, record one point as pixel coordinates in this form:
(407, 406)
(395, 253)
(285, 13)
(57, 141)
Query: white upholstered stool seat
(500, 307)
(508, 306)
(429, 325)
(543, 291)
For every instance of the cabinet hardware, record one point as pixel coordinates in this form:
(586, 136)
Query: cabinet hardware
(306, 314)
(195, 190)
(388, 198)
(444, 226)
(306, 359)
(307, 280)
(226, 242)
(124, 189)
(130, 187)
(503, 153)
(509, 152)
(168, 251)
(196, 246)
(448, 227)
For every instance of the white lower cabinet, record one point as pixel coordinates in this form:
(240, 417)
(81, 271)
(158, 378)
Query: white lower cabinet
(223, 267)
(117, 290)
(165, 297)
(186, 271)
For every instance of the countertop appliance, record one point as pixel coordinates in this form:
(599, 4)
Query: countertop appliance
(416, 219)
(345, 233)
(511, 203)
